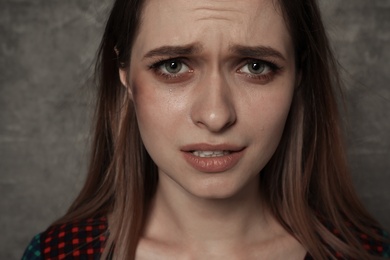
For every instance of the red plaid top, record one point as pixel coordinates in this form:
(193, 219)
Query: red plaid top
(84, 240)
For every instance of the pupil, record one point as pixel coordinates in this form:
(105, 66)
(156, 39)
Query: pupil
(256, 67)
(173, 66)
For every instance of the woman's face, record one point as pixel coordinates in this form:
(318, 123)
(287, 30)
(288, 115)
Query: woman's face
(212, 83)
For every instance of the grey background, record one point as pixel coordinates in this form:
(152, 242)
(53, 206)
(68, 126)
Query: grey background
(46, 52)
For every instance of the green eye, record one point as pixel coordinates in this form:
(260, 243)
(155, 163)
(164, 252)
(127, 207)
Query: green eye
(173, 67)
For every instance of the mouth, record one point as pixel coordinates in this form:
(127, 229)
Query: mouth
(204, 154)
(211, 150)
(212, 158)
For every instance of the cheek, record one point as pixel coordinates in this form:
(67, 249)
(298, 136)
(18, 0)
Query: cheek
(153, 99)
(147, 105)
(150, 119)
(269, 115)
(157, 110)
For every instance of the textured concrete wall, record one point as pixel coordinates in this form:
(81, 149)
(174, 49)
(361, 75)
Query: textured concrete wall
(46, 49)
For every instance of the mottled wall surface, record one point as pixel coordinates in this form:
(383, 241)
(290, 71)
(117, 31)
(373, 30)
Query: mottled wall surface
(46, 49)
(46, 52)
(360, 33)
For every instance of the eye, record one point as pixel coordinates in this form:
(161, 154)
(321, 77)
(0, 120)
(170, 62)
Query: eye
(259, 71)
(170, 68)
(256, 68)
(173, 66)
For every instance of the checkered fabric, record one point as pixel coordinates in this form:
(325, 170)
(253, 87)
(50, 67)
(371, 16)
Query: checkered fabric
(373, 246)
(84, 240)
(33, 251)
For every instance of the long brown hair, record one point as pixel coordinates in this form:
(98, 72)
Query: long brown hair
(306, 183)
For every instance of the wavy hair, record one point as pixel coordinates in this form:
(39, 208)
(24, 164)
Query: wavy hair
(306, 183)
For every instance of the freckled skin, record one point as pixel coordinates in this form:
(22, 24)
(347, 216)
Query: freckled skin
(212, 104)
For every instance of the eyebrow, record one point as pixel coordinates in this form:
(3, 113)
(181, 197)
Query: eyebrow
(189, 49)
(256, 51)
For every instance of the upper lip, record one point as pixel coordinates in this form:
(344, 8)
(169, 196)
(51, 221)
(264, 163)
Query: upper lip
(211, 147)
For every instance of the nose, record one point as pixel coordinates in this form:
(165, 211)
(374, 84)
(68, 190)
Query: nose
(213, 107)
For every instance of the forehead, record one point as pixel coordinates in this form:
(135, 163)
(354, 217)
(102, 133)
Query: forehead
(219, 22)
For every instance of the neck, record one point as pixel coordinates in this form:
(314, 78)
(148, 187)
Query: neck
(208, 221)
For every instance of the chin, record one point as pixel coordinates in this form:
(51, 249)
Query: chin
(216, 189)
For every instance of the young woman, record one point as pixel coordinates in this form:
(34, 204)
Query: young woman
(217, 137)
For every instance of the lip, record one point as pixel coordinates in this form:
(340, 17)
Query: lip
(213, 164)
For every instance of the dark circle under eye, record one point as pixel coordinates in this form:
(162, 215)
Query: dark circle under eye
(173, 66)
(256, 67)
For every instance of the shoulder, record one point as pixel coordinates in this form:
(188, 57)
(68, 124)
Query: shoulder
(76, 239)
(376, 244)
(379, 246)
(33, 250)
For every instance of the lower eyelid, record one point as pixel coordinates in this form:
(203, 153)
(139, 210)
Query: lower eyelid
(161, 64)
(260, 78)
(169, 76)
(271, 70)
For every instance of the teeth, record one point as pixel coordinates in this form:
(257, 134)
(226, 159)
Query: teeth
(210, 153)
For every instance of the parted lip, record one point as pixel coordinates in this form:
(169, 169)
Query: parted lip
(211, 147)
(213, 164)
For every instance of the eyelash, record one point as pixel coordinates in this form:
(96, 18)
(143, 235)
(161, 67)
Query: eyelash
(272, 66)
(169, 76)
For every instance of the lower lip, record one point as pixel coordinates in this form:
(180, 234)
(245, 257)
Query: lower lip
(213, 164)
